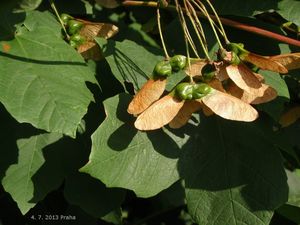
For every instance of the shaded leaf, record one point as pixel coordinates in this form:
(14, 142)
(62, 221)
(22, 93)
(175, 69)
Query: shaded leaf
(290, 116)
(276, 107)
(18, 180)
(129, 61)
(290, 212)
(159, 114)
(29, 4)
(175, 79)
(91, 195)
(226, 175)
(244, 8)
(108, 3)
(149, 93)
(124, 157)
(229, 107)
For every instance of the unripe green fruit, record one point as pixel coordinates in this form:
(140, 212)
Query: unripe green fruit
(200, 90)
(185, 91)
(73, 44)
(208, 72)
(229, 57)
(178, 62)
(65, 18)
(74, 26)
(163, 68)
(76, 40)
(235, 60)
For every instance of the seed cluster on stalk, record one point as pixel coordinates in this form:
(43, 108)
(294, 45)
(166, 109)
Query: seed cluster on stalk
(227, 86)
(81, 33)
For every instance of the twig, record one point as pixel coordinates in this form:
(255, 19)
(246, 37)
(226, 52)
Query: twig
(228, 22)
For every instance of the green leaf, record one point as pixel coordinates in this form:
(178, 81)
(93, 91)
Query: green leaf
(289, 9)
(174, 79)
(275, 107)
(19, 181)
(129, 61)
(125, 157)
(232, 174)
(114, 217)
(91, 195)
(27, 5)
(294, 187)
(43, 80)
(291, 212)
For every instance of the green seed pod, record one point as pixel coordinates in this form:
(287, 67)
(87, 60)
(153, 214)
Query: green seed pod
(208, 72)
(78, 39)
(229, 57)
(74, 26)
(73, 44)
(65, 18)
(178, 62)
(238, 48)
(200, 90)
(163, 68)
(184, 91)
(235, 60)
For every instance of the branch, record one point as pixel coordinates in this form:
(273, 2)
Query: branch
(228, 22)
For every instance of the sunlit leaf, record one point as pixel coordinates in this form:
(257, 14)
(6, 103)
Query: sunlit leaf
(36, 72)
(229, 107)
(149, 93)
(289, 9)
(159, 114)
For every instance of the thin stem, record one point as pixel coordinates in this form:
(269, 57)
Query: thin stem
(196, 30)
(199, 24)
(59, 19)
(186, 31)
(219, 21)
(202, 8)
(227, 22)
(161, 35)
